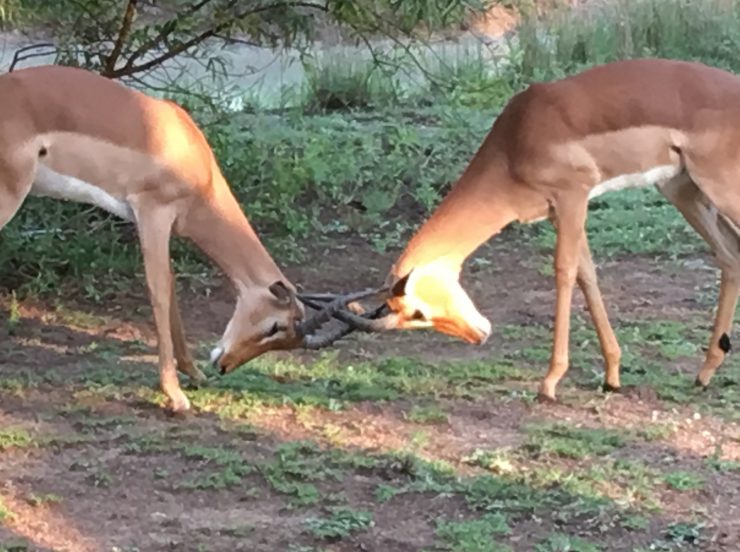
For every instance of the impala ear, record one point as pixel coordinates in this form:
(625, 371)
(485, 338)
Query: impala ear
(399, 288)
(281, 292)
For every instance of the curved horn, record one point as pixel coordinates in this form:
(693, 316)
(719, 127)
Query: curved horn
(314, 342)
(369, 324)
(334, 304)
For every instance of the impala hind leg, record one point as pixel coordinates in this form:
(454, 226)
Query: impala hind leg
(610, 349)
(16, 179)
(571, 220)
(155, 229)
(719, 343)
(724, 241)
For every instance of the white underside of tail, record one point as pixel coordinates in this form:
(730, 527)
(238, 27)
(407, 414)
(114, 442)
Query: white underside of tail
(48, 183)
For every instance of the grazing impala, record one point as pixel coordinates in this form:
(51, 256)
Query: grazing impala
(69, 134)
(557, 145)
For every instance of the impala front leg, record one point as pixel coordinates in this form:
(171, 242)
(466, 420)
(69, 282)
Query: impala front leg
(185, 362)
(571, 219)
(589, 285)
(155, 229)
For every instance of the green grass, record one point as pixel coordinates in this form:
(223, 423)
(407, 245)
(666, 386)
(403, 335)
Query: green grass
(576, 443)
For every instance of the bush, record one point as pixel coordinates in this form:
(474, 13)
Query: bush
(344, 83)
(566, 41)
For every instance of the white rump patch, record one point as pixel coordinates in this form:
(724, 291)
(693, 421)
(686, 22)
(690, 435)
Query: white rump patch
(48, 183)
(657, 175)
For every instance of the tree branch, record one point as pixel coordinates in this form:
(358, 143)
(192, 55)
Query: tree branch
(130, 68)
(18, 57)
(123, 33)
(165, 31)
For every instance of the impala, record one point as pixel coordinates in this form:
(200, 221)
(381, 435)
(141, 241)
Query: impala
(555, 146)
(69, 134)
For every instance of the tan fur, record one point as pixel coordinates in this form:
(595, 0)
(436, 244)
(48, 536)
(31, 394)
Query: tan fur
(70, 134)
(626, 124)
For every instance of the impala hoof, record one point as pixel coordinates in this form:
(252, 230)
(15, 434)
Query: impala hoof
(609, 388)
(701, 384)
(179, 407)
(544, 398)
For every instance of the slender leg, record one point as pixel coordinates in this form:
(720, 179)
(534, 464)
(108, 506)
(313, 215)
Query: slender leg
(724, 241)
(182, 353)
(719, 343)
(610, 349)
(571, 219)
(155, 228)
(15, 183)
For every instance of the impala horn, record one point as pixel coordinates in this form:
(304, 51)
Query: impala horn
(347, 310)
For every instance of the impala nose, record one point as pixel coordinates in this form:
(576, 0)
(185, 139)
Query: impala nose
(216, 355)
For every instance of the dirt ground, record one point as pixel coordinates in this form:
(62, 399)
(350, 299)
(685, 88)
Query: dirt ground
(89, 462)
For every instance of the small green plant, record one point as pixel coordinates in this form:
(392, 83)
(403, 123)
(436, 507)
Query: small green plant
(340, 524)
(635, 522)
(723, 466)
(683, 481)
(43, 499)
(99, 477)
(222, 467)
(684, 532)
(14, 313)
(559, 542)
(476, 535)
(15, 546)
(5, 512)
(15, 438)
(295, 467)
(499, 461)
(656, 432)
(383, 493)
(427, 414)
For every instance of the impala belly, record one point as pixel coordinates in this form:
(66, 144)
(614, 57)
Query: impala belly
(52, 184)
(85, 169)
(634, 157)
(654, 176)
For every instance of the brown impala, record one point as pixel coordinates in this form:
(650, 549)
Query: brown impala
(69, 134)
(554, 147)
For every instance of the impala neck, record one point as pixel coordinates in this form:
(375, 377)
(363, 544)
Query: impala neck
(480, 205)
(218, 226)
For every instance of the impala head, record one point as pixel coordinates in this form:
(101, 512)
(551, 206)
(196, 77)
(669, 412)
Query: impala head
(431, 297)
(265, 319)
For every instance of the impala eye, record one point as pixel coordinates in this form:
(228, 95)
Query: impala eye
(272, 331)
